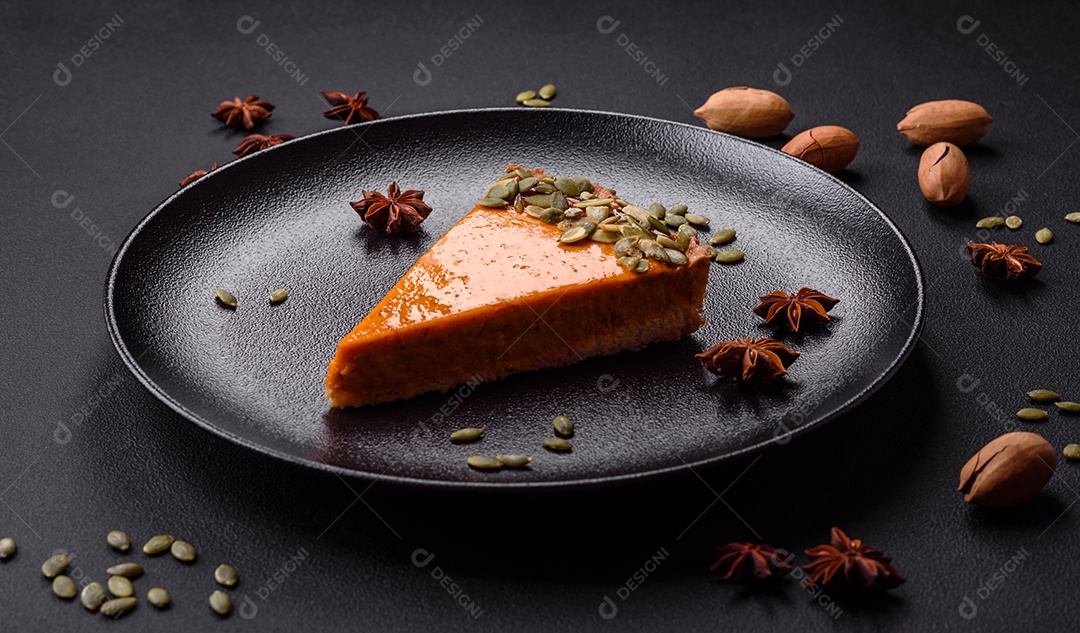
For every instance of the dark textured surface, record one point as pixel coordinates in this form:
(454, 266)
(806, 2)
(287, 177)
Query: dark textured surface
(256, 373)
(316, 551)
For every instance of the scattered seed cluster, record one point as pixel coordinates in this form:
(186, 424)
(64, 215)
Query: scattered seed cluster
(564, 428)
(1035, 414)
(120, 595)
(537, 98)
(1014, 222)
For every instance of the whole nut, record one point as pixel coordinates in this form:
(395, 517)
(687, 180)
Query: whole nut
(747, 112)
(1008, 471)
(953, 121)
(829, 147)
(944, 174)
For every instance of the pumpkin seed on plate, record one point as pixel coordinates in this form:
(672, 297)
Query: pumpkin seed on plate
(522, 173)
(93, 595)
(657, 223)
(557, 444)
(567, 186)
(722, 237)
(1073, 217)
(120, 587)
(675, 220)
(54, 566)
(536, 103)
(695, 219)
(279, 295)
(1044, 235)
(158, 597)
(127, 570)
(563, 425)
(514, 461)
(558, 201)
(679, 209)
(729, 256)
(1043, 395)
(467, 434)
(991, 222)
(1014, 222)
(667, 242)
(226, 575)
(220, 603)
(1068, 407)
(226, 297)
(501, 192)
(526, 184)
(492, 203)
(7, 548)
(158, 545)
(64, 587)
(525, 96)
(118, 606)
(483, 462)
(657, 210)
(183, 551)
(118, 541)
(547, 91)
(1031, 415)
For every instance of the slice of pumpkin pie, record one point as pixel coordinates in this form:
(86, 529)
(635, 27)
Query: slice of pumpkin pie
(544, 272)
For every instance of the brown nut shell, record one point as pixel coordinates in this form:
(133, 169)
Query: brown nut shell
(944, 174)
(828, 147)
(1008, 471)
(953, 121)
(746, 112)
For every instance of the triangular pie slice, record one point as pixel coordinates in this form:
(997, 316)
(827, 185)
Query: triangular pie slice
(500, 294)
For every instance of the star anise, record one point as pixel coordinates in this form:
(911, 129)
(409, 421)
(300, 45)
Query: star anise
(256, 142)
(806, 302)
(850, 566)
(246, 114)
(747, 562)
(399, 211)
(351, 110)
(1003, 261)
(762, 360)
(195, 175)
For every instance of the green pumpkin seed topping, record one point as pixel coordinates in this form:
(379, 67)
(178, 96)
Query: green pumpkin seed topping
(483, 462)
(557, 444)
(1043, 395)
(525, 96)
(467, 434)
(536, 103)
(514, 461)
(547, 92)
(1072, 452)
(564, 426)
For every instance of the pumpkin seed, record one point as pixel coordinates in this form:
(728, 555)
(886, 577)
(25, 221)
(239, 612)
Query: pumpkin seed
(492, 203)
(1031, 415)
(54, 566)
(657, 210)
(567, 186)
(574, 234)
(522, 173)
(127, 570)
(557, 444)
(991, 222)
(1073, 217)
(628, 262)
(637, 213)
(687, 230)
(683, 241)
(64, 587)
(119, 606)
(483, 462)
(563, 425)
(679, 209)
(667, 242)
(547, 180)
(558, 201)
(118, 541)
(552, 215)
(1044, 235)
(158, 597)
(1043, 395)
(120, 587)
(543, 187)
(1014, 222)
(626, 246)
(501, 192)
(1068, 407)
(226, 297)
(220, 603)
(279, 295)
(598, 213)
(525, 96)
(519, 203)
(92, 596)
(621, 202)
(593, 202)
(226, 575)
(467, 434)
(642, 266)
(534, 210)
(633, 230)
(526, 184)
(572, 214)
(722, 237)
(7, 548)
(696, 219)
(540, 200)
(676, 257)
(729, 256)
(657, 224)
(183, 551)
(536, 103)
(1072, 451)
(547, 92)
(158, 545)
(512, 187)
(505, 178)
(514, 461)
(583, 184)
(675, 220)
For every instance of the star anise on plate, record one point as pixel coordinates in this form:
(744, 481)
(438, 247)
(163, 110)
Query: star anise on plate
(807, 302)
(1003, 261)
(256, 142)
(849, 566)
(246, 114)
(195, 175)
(351, 110)
(748, 562)
(399, 211)
(760, 360)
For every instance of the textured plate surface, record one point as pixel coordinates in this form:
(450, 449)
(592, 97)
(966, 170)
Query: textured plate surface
(281, 218)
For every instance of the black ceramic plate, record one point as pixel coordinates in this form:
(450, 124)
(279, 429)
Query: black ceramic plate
(281, 218)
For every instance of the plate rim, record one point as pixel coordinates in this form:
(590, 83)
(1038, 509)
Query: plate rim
(131, 362)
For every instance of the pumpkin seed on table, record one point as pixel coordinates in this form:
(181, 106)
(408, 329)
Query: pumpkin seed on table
(158, 545)
(991, 222)
(7, 548)
(118, 541)
(220, 603)
(1014, 222)
(93, 595)
(514, 461)
(118, 606)
(226, 297)
(182, 551)
(1043, 395)
(1031, 415)
(1072, 451)
(535, 103)
(127, 570)
(722, 237)
(1073, 217)
(467, 434)
(279, 295)
(483, 462)
(158, 597)
(1068, 407)
(729, 256)
(226, 575)
(525, 96)
(547, 91)
(563, 425)
(557, 444)
(1044, 235)
(120, 587)
(54, 566)
(64, 587)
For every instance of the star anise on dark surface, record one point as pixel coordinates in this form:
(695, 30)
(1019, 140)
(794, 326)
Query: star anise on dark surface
(762, 360)
(195, 175)
(397, 212)
(1003, 261)
(849, 566)
(246, 114)
(807, 302)
(351, 110)
(749, 562)
(256, 142)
